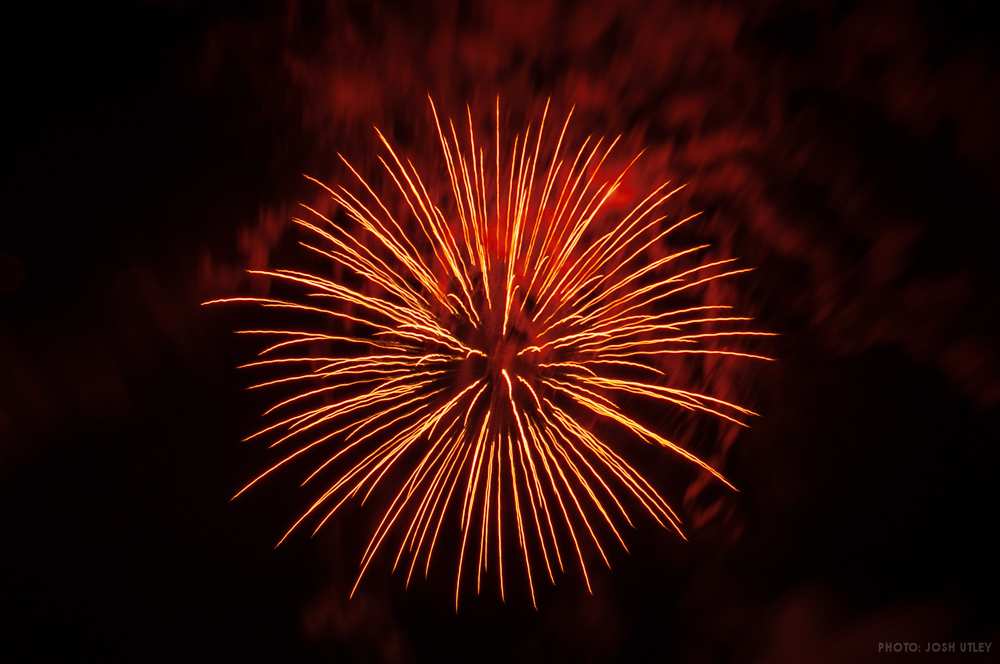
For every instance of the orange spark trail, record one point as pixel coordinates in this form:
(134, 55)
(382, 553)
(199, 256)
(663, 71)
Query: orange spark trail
(479, 347)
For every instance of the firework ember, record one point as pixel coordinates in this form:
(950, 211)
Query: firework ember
(476, 347)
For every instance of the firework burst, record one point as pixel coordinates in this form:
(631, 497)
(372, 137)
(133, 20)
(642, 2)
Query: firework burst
(472, 345)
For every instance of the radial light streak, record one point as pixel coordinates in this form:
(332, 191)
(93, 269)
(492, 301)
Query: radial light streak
(484, 341)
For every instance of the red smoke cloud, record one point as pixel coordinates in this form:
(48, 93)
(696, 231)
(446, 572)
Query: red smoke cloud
(815, 163)
(780, 171)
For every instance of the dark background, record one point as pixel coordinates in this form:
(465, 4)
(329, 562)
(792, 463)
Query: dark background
(154, 149)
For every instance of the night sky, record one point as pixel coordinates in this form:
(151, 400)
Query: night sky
(156, 149)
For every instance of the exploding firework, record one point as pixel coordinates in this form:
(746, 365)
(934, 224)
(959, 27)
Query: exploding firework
(473, 345)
